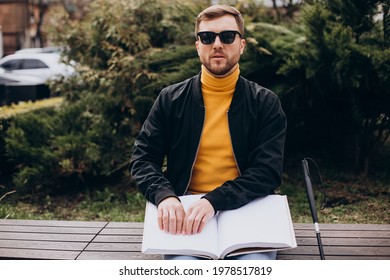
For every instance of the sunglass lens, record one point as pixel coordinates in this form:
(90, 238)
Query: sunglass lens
(227, 37)
(207, 38)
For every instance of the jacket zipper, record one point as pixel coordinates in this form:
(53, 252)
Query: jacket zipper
(196, 154)
(231, 141)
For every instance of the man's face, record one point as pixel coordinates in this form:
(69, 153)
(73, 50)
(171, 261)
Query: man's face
(218, 58)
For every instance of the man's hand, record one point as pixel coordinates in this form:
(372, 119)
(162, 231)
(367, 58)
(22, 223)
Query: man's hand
(198, 214)
(170, 215)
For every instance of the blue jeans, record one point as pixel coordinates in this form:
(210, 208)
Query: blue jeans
(252, 256)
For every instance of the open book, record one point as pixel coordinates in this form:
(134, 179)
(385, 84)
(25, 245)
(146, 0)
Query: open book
(262, 225)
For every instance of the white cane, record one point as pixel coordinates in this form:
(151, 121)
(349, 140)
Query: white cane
(310, 196)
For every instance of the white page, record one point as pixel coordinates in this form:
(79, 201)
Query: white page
(156, 240)
(267, 222)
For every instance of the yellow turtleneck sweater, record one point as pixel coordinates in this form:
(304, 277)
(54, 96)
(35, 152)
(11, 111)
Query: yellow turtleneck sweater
(215, 161)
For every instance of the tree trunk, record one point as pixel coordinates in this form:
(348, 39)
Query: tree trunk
(276, 10)
(386, 23)
(42, 11)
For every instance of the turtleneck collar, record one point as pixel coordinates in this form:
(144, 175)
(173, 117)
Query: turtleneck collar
(219, 84)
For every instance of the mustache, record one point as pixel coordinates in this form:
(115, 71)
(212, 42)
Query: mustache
(219, 53)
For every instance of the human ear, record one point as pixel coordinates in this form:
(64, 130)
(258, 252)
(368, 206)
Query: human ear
(242, 46)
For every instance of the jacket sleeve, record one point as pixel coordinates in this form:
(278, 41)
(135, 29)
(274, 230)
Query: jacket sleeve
(264, 171)
(148, 156)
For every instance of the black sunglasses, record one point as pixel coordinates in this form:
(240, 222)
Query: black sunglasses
(226, 37)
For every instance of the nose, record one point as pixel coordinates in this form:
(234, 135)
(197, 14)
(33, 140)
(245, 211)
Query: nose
(217, 43)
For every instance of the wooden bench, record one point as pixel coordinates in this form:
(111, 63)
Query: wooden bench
(77, 240)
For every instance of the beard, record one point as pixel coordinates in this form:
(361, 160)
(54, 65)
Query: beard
(219, 68)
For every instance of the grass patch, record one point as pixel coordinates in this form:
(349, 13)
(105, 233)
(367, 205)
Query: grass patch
(106, 205)
(362, 209)
(348, 199)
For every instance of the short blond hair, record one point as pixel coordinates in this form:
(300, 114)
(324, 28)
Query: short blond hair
(217, 11)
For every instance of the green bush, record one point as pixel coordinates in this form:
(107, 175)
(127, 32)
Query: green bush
(339, 102)
(74, 145)
(26, 142)
(88, 140)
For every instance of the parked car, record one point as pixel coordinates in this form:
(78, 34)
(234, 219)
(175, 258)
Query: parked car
(15, 88)
(40, 50)
(43, 65)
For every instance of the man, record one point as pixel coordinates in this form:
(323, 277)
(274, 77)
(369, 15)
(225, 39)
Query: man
(221, 134)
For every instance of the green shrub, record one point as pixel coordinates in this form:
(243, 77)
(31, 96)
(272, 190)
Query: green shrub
(70, 146)
(88, 140)
(340, 84)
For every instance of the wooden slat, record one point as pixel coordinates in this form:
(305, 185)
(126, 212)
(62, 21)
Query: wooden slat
(87, 255)
(122, 231)
(341, 251)
(358, 242)
(125, 225)
(11, 253)
(114, 247)
(343, 234)
(43, 229)
(46, 245)
(52, 223)
(344, 227)
(45, 236)
(118, 238)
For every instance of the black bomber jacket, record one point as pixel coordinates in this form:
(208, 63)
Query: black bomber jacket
(173, 129)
